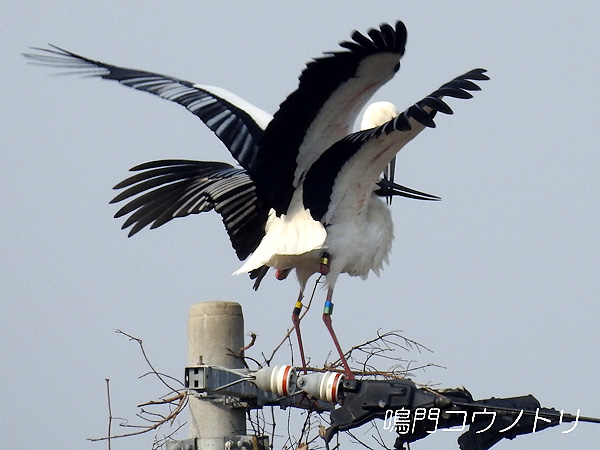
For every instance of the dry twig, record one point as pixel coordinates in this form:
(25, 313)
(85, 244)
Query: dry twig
(175, 402)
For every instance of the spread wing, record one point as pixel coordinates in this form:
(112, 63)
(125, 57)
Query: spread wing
(237, 123)
(164, 190)
(331, 92)
(349, 169)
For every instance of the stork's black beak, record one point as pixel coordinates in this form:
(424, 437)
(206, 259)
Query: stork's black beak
(389, 189)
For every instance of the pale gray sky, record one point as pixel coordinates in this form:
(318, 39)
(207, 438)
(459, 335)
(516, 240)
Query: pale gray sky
(500, 279)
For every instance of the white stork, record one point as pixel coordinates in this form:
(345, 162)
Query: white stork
(334, 223)
(307, 186)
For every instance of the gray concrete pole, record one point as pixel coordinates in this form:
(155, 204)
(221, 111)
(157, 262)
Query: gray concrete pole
(213, 328)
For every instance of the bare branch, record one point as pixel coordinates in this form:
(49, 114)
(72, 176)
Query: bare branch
(147, 428)
(154, 420)
(240, 354)
(252, 341)
(369, 354)
(139, 341)
(109, 411)
(179, 396)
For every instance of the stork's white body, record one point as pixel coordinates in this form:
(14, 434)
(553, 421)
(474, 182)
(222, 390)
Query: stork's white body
(357, 230)
(298, 242)
(371, 232)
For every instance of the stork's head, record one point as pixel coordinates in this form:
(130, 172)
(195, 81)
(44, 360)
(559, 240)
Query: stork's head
(377, 114)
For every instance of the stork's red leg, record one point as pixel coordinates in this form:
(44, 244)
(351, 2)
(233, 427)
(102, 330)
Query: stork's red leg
(327, 311)
(325, 261)
(296, 322)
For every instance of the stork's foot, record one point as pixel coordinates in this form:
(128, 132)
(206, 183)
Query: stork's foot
(327, 320)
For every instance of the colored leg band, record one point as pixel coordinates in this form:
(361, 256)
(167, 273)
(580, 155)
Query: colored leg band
(297, 308)
(324, 268)
(328, 309)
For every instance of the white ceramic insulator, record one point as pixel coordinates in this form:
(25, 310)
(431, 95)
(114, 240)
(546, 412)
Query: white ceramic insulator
(280, 380)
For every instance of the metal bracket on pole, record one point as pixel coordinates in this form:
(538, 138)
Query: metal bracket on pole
(265, 387)
(185, 444)
(234, 443)
(230, 388)
(215, 379)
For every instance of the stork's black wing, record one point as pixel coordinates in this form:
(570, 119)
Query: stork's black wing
(331, 92)
(164, 190)
(236, 122)
(358, 159)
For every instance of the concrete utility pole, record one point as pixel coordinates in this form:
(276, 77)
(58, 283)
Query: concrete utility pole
(215, 328)
(221, 389)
